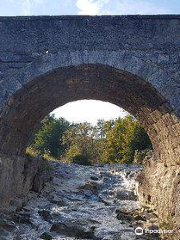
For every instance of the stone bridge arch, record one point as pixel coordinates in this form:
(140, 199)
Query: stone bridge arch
(131, 61)
(38, 97)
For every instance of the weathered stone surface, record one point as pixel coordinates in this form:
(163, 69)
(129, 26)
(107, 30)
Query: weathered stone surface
(85, 214)
(126, 195)
(159, 188)
(131, 61)
(17, 177)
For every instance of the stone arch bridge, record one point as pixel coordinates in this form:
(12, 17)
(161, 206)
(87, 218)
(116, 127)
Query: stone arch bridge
(131, 61)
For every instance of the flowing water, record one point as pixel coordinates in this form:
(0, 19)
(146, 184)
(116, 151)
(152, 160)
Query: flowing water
(80, 202)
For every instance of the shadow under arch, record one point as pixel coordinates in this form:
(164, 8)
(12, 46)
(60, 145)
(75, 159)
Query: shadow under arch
(30, 104)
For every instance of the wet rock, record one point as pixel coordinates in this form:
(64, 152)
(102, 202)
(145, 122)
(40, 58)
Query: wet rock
(124, 217)
(140, 218)
(46, 236)
(94, 178)
(89, 186)
(80, 202)
(23, 217)
(77, 231)
(126, 195)
(45, 214)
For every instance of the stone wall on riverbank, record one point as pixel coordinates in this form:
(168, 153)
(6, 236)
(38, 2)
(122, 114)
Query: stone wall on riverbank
(159, 188)
(19, 175)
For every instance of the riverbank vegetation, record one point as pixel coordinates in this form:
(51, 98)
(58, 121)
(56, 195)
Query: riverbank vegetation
(114, 141)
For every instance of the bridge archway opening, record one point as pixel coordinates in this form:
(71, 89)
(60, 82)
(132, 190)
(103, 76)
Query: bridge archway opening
(90, 111)
(36, 99)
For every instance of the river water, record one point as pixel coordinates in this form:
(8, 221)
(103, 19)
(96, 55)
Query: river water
(81, 202)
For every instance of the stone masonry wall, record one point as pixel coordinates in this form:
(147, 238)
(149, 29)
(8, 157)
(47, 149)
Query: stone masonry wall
(131, 61)
(159, 189)
(19, 175)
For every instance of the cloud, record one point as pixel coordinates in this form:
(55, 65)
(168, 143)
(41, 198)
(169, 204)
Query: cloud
(90, 7)
(118, 7)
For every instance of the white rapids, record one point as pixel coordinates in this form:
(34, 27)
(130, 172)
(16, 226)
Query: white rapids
(80, 202)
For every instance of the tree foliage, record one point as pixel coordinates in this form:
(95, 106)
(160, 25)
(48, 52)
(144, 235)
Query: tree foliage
(123, 138)
(80, 141)
(48, 137)
(107, 142)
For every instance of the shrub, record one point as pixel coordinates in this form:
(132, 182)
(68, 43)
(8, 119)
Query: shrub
(81, 160)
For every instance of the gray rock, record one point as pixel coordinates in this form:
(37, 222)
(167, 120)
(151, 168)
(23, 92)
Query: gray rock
(77, 206)
(126, 195)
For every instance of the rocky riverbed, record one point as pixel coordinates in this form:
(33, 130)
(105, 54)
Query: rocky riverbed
(81, 202)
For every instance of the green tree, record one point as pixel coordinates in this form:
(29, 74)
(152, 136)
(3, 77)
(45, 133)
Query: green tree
(80, 142)
(109, 141)
(48, 137)
(123, 138)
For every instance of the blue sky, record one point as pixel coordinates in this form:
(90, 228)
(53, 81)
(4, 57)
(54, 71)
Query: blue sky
(88, 110)
(90, 7)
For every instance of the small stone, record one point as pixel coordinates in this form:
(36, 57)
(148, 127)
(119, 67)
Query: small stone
(94, 178)
(46, 236)
(126, 195)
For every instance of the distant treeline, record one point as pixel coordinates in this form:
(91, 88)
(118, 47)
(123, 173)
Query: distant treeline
(114, 141)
